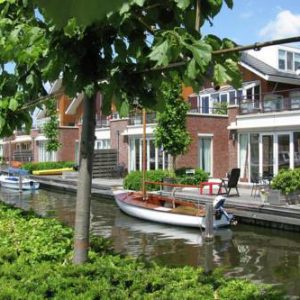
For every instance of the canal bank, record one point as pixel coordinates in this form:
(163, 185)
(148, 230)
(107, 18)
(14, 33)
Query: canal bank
(246, 208)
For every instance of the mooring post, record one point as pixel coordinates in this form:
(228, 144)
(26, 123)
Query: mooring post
(20, 183)
(209, 222)
(208, 257)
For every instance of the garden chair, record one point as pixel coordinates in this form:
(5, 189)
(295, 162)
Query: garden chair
(230, 182)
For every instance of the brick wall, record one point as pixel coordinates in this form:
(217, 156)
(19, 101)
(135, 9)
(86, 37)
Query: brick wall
(115, 126)
(67, 137)
(215, 125)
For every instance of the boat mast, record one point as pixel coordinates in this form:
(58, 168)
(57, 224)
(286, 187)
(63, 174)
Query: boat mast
(144, 165)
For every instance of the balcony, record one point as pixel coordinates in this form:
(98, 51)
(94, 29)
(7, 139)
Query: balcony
(269, 105)
(22, 155)
(137, 119)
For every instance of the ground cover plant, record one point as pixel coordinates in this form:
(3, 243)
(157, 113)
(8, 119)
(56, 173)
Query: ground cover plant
(35, 263)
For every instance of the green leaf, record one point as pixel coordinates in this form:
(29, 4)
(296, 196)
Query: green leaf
(220, 75)
(71, 29)
(183, 4)
(13, 104)
(201, 53)
(85, 12)
(159, 54)
(124, 109)
(191, 69)
(229, 3)
(138, 2)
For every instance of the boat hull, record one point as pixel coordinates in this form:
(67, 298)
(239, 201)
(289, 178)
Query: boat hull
(162, 214)
(13, 183)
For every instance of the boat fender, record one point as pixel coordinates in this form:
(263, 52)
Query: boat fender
(31, 183)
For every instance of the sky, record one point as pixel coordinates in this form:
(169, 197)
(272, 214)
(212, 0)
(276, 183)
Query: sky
(251, 21)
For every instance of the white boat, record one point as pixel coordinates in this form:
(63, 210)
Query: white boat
(11, 180)
(157, 208)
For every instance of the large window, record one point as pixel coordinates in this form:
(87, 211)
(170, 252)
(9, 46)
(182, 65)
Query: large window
(267, 155)
(288, 61)
(102, 144)
(283, 151)
(254, 155)
(296, 149)
(205, 104)
(243, 161)
(45, 155)
(205, 154)
(156, 158)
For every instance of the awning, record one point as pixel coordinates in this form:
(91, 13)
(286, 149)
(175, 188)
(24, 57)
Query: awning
(22, 139)
(41, 138)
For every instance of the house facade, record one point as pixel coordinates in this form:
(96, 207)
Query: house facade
(255, 128)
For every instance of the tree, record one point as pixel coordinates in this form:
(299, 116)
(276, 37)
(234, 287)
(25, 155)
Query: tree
(171, 133)
(125, 54)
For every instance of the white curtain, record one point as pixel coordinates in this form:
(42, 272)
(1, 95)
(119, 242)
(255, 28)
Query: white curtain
(206, 154)
(243, 154)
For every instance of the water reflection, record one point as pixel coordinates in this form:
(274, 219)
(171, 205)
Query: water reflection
(263, 255)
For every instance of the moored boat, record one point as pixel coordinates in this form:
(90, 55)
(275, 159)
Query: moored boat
(167, 210)
(12, 178)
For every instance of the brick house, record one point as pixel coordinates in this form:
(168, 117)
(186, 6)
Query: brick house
(255, 128)
(26, 147)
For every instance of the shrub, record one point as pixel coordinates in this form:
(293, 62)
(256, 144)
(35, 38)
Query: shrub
(192, 179)
(287, 181)
(33, 254)
(34, 166)
(133, 181)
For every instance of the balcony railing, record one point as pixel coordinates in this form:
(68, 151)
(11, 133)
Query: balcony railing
(137, 119)
(271, 105)
(22, 155)
(209, 110)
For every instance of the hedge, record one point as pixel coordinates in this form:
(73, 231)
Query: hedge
(35, 263)
(34, 166)
(133, 181)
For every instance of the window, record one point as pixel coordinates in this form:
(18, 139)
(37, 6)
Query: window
(232, 98)
(156, 158)
(297, 61)
(102, 144)
(289, 61)
(205, 104)
(281, 59)
(205, 153)
(45, 155)
(224, 98)
(243, 162)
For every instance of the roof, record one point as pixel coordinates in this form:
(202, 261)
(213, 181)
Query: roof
(266, 71)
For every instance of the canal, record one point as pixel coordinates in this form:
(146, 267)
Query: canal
(259, 254)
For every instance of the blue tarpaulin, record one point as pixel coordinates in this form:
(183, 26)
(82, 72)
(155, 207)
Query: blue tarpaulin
(16, 171)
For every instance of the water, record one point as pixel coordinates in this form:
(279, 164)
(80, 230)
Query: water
(259, 254)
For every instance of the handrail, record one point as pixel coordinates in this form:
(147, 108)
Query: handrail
(172, 184)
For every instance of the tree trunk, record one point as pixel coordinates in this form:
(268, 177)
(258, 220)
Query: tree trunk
(172, 164)
(84, 184)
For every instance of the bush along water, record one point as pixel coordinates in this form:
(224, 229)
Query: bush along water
(35, 263)
(133, 181)
(287, 181)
